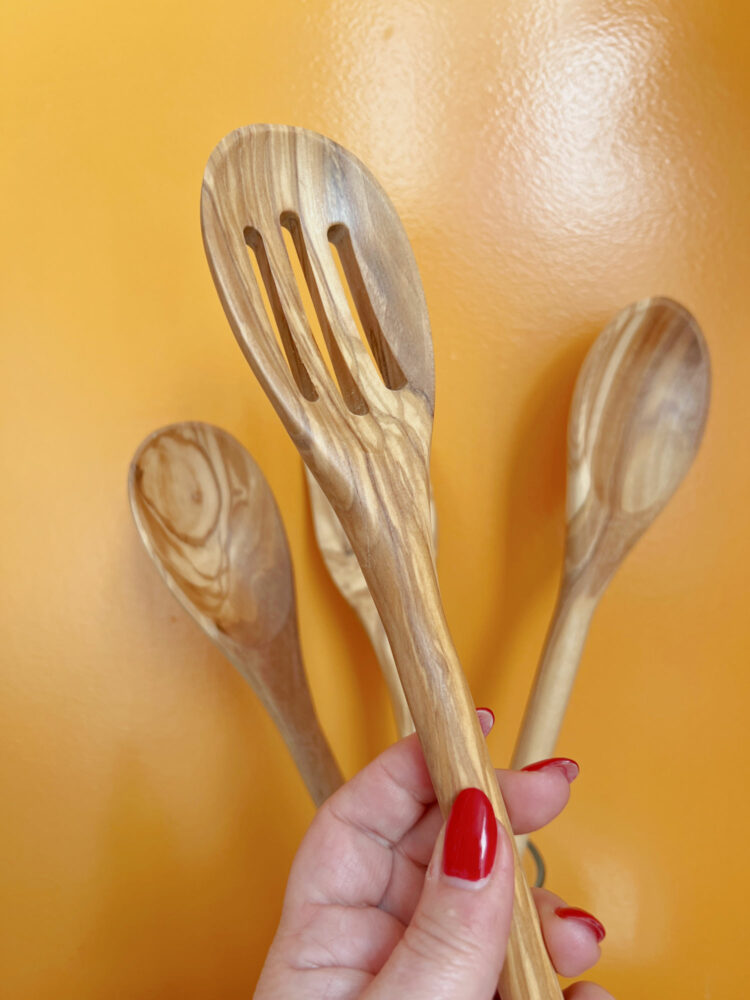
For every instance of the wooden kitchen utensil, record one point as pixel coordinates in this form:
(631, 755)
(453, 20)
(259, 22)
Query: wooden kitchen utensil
(636, 422)
(363, 428)
(208, 520)
(345, 572)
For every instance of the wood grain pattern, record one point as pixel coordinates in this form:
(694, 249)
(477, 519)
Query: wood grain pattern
(345, 572)
(208, 520)
(636, 422)
(366, 442)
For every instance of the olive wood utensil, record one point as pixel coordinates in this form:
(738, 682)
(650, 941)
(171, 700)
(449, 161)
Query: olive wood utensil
(345, 572)
(208, 519)
(365, 433)
(636, 421)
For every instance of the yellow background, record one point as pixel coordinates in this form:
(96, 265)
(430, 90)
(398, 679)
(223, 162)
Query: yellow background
(552, 162)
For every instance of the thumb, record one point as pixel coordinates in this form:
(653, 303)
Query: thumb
(454, 947)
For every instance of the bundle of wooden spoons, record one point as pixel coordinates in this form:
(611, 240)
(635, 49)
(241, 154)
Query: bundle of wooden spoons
(361, 418)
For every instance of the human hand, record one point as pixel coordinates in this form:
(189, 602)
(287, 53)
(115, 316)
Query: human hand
(371, 913)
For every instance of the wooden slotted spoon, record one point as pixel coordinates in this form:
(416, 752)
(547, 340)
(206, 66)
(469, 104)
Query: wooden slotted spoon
(208, 520)
(365, 436)
(636, 422)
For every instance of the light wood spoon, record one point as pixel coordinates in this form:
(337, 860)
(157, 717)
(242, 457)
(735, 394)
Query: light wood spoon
(345, 572)
(365, 435)
(208, 520)
(636, 422)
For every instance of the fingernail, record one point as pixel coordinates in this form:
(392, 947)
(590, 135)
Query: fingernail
(486, 720)
(573, 913)
(470, 837)
(568, 767)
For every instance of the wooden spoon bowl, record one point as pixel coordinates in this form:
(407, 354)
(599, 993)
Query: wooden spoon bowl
(208, 520)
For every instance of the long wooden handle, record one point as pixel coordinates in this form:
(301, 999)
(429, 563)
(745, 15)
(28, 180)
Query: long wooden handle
(403, 583)
(555, 675)
(343, 566)
(315, 761)
(368, 615)
(293, 712)
(553, 683)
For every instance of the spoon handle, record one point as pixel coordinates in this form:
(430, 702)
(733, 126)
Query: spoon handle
(315, 761)
(277, 675)
(404, 585)
(553, 683)
(554, 677)
(368, 615)
(345, 572)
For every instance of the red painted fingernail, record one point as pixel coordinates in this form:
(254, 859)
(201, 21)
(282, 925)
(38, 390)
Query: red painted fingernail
(573, 913)
(486, 720)
(470, 837)
(568, 767)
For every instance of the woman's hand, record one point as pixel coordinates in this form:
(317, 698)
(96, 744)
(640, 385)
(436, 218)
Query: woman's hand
(384, 901)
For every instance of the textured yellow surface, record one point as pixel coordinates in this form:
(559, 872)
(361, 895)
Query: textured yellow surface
(551, 162)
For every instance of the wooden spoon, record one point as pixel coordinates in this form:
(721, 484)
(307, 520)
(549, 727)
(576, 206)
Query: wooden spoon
(364, 432)
(345, 572)
(636, 422)
(208, 520)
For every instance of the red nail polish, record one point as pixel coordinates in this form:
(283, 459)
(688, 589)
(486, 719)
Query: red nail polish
(568, 767)
(486, 720)
(470, 836)
(573, 913)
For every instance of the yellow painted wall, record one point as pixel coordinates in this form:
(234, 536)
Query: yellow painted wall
(552, 162)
